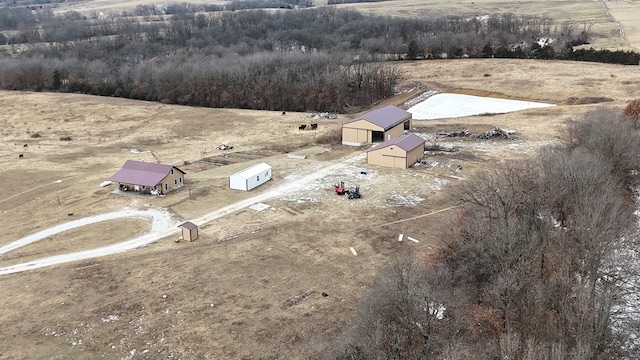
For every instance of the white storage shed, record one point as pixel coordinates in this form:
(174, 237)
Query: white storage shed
(250, 177)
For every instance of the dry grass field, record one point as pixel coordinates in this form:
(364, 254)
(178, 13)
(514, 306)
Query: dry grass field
(231, 294)
(237, 291)
(605, 19)
(613, 23)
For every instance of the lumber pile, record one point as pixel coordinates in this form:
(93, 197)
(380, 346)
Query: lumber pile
(494, 133)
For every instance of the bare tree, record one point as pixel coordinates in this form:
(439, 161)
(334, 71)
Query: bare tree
(607, 133)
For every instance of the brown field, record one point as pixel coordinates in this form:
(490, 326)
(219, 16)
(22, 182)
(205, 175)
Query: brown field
(231, 294)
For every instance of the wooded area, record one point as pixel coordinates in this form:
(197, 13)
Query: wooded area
(539, 263)
(302, 59)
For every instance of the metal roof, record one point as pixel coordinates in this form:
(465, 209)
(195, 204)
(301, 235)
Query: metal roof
(385, 117)
(188, 225)
(142, 173)
(406, 142)
(252, 170)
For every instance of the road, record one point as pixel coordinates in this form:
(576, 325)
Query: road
(162, 224)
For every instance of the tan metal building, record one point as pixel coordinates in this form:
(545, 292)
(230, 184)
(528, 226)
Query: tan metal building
(376, 126)
(148, 178)
(401, 152)
(189, 231)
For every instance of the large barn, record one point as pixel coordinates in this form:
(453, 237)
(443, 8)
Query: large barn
(148, 178)
(376, 126)
(401, 152)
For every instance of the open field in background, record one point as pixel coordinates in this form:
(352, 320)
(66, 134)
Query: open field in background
(235, 292)
(604, 23)
(605, 19)
(626, 14)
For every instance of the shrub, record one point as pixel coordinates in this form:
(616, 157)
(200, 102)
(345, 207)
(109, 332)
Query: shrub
(632, 110)
(609, 135)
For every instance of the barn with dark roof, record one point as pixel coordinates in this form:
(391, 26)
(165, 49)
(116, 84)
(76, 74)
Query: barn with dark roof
(401, 152)
(148, 178)
(376, 126)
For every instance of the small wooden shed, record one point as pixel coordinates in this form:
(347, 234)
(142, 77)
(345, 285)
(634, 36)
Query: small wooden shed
(189, 231)
(250, 177)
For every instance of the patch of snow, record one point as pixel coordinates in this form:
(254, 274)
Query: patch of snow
(437, 310)
(438, 184)
(428, 137)
(442, 106)
(259, 207)
(403, 200)
(545, 41)
(109, 318)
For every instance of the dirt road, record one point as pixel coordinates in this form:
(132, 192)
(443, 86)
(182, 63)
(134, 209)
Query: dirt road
(162, 224)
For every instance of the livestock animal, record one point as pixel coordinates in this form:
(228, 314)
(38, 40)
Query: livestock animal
(313, 127)
(284, 113)
(302, 127)
(20, 156)
(25, 145)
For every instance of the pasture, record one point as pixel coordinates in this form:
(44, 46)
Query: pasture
(223, 295)
(251, 286)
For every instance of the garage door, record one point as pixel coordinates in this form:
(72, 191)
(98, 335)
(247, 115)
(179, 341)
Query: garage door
(393, 161)
(363, 136)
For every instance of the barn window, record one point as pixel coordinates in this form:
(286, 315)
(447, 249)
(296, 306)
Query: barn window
(258, 178)
(180, 180)
(175, 182)
(166, 186)
(171, 171)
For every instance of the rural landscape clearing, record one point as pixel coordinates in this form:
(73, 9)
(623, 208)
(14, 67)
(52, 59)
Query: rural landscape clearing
(279, 281)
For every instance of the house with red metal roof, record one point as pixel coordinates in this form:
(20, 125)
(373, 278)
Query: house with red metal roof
(401, 152)
(148, 178)
(376, 126)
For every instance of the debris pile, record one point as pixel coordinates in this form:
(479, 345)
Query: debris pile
(224, 146)
(459, 133)
(496, 132)
(296, 299)
(420, 98)
(323, 115)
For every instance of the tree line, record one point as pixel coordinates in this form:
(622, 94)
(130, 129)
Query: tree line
(321, 59)
(539, 263)
(606, 56)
